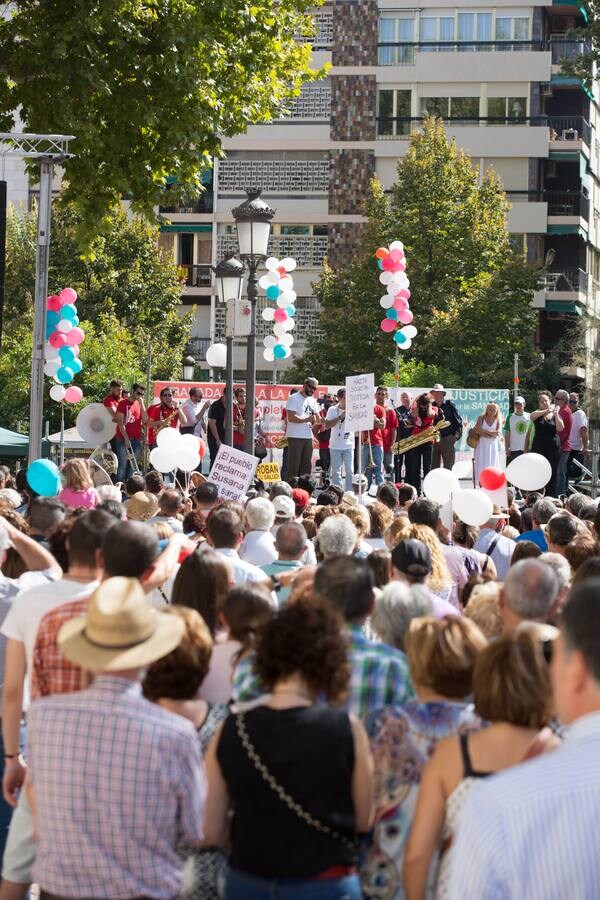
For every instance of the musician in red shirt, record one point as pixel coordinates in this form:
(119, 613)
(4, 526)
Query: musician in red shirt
(111, 402)
(167, 410)
(131, 416)
(389, 432)
(373, 448)
(424, 414)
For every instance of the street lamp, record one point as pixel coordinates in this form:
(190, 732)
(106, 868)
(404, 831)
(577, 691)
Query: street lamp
(229, 276)
(188, 366)
(253, 224)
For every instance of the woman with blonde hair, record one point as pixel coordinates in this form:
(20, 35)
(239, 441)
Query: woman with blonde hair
(512, 691)
(398, 531)
(439, 581)
(441, 656)
(489, 428)
(79, 490)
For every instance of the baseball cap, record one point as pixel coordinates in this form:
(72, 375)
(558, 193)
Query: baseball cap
(300, 497)
(520, 400)
(359, 480)
(412, 557)
(284, 507)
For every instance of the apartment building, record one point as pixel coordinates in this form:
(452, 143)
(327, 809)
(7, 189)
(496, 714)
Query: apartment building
(494, 74)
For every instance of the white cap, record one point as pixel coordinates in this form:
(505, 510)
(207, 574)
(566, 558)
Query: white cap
(520, 400)
(359, 480)
(439, 387)
(284, 507)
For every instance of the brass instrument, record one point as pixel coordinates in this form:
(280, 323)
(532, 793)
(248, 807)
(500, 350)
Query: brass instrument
(240, 425)
(423, 437)
(281, 442)
(164, 423)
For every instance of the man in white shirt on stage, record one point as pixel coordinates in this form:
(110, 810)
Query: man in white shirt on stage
(193, 411)
(302, 412)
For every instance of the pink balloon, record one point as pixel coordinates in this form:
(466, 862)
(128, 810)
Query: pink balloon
(400, 302)
(58, 339)
(388, 325)
(53, 303)
(405, 316)
(280, 315)
(397, 255)
(75, 336)
(403, 292)
(67, 295)
(73, 394)
(76, 350)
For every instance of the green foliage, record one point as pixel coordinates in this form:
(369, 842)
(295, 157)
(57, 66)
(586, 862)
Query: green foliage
(147, 87)
(470, 293)
(417, 374)
(128, 301)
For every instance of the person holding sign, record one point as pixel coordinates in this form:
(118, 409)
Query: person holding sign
(302, 411)
(341, 443)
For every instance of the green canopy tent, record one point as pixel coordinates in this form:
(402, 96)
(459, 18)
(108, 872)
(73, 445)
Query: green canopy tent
(13, 445)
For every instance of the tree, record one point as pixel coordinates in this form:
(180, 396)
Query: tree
(471, 294)
(129, 297)
(147, 87)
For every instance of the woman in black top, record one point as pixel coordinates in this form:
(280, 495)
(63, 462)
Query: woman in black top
(546, 422)
(297, 776)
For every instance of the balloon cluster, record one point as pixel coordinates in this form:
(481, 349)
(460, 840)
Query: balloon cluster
(278, 286)
(176, 451)
(61, 351)
(398, 318)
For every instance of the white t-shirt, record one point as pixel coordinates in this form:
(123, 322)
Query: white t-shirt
(518, 426)
(258, 548)
(302, 406)
(217, 687)
(580, 420)
(341, 439)
(23, 619)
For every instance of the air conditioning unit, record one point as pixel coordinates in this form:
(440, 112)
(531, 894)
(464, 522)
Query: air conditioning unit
(546, 89)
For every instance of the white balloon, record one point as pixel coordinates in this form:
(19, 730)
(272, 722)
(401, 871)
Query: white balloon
(268, 355)
(289, 263)
(385, 277)
(529, 472)
(387, 301)
(398, 277)
(290, 296)
(286, 283)
(463, 468)
(472, 507)
(57, 392)
(406, 345)
(397, 245)
(64, 325)
(192, 442)
(162, 459)
(51, 367)
(288, 352)
(439, 485)
(268, 314)
(278, 328)
(282, 301)
(270, 341)
(288, 325)
(272, 263)
(410, 331)
(286, 339)
(264, 282)
(168, 439)
(216, 356)
(186, 459)
(50, 352)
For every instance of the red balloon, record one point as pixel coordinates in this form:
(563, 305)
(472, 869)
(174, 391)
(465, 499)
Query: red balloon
(202, 449)
(388, 325)
(53, 303)
(58, 339)
(492, 479)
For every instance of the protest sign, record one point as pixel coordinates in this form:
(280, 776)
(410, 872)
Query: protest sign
(360, 402)
(232, 472)
(268, 472)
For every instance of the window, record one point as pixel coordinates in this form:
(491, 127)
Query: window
(393, 117)
(451, 107)
(294, 229)
(512, 28)
(394, 31)
(185, 256)
(505, 108)
(434, 29)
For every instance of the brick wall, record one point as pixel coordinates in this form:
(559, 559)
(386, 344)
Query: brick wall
(350, 172)
(355, 33)
(344, 240)
(353, 106)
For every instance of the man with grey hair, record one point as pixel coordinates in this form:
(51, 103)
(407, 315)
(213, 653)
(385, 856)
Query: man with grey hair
(541, 513)
(562, 572)
(561, 399)
(395, 608)
(290, 543)
(279, 489)
(529, 593)
(258, 546)
(337, 536)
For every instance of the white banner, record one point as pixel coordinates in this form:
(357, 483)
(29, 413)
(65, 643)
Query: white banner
(360, 402)
(232, 472)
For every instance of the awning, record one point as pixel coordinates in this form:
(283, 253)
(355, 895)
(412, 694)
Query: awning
(563, 306)
(567, 229)
(13, 445)
(185, 227)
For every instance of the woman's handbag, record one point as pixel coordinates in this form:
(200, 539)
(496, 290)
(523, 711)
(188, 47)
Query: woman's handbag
(472, 438)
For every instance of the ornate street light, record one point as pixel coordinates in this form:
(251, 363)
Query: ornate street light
(229, 277)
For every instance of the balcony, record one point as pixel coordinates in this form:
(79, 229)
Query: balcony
(565, 49)
(567, 281)
(308, 250)
(567, 204)
(197, 347)
(390, 53)
(569, 129)
(400, 128)
(195, 205)
(196, 276)
(306, 319)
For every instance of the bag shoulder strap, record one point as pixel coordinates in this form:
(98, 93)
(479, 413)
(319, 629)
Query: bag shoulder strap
(282, 793)
(493, 544)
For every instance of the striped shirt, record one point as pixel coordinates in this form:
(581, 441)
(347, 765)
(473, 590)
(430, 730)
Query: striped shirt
(119, 784)
(532, 832)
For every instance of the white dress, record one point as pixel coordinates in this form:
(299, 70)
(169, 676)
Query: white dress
(486, 453)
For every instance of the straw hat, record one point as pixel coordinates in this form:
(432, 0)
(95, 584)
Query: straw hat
(120, 629)
(142, 506)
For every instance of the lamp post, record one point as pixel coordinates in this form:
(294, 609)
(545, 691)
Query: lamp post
(188, 365)
(229, 276)
(253, 224)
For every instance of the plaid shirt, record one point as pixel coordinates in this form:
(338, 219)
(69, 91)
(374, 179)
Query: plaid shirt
(119, 784)
(52, 673)
(379, 676)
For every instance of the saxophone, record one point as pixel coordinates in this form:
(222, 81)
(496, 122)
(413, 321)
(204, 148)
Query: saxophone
(164, 423)
(423, 437)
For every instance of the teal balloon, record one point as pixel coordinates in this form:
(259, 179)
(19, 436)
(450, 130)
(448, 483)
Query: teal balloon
(279, 351)
(75, 321)
(43, 477)
(272, 292)
(392, 313)
(291, 311)
(76, 365)
(69, 311)
(67, 355)
(52, 318)
(380, 263)
(64, 375)
(49, 331)
(400, 338)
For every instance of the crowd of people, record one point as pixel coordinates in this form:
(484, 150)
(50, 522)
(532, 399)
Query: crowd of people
(307, 693)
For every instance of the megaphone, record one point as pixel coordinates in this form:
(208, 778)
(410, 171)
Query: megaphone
(95, 424)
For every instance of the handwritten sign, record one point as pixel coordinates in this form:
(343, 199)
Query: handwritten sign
(232, 472)
(268, 472)
(360, 402)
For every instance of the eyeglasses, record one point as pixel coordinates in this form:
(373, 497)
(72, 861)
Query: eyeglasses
(167, 394)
